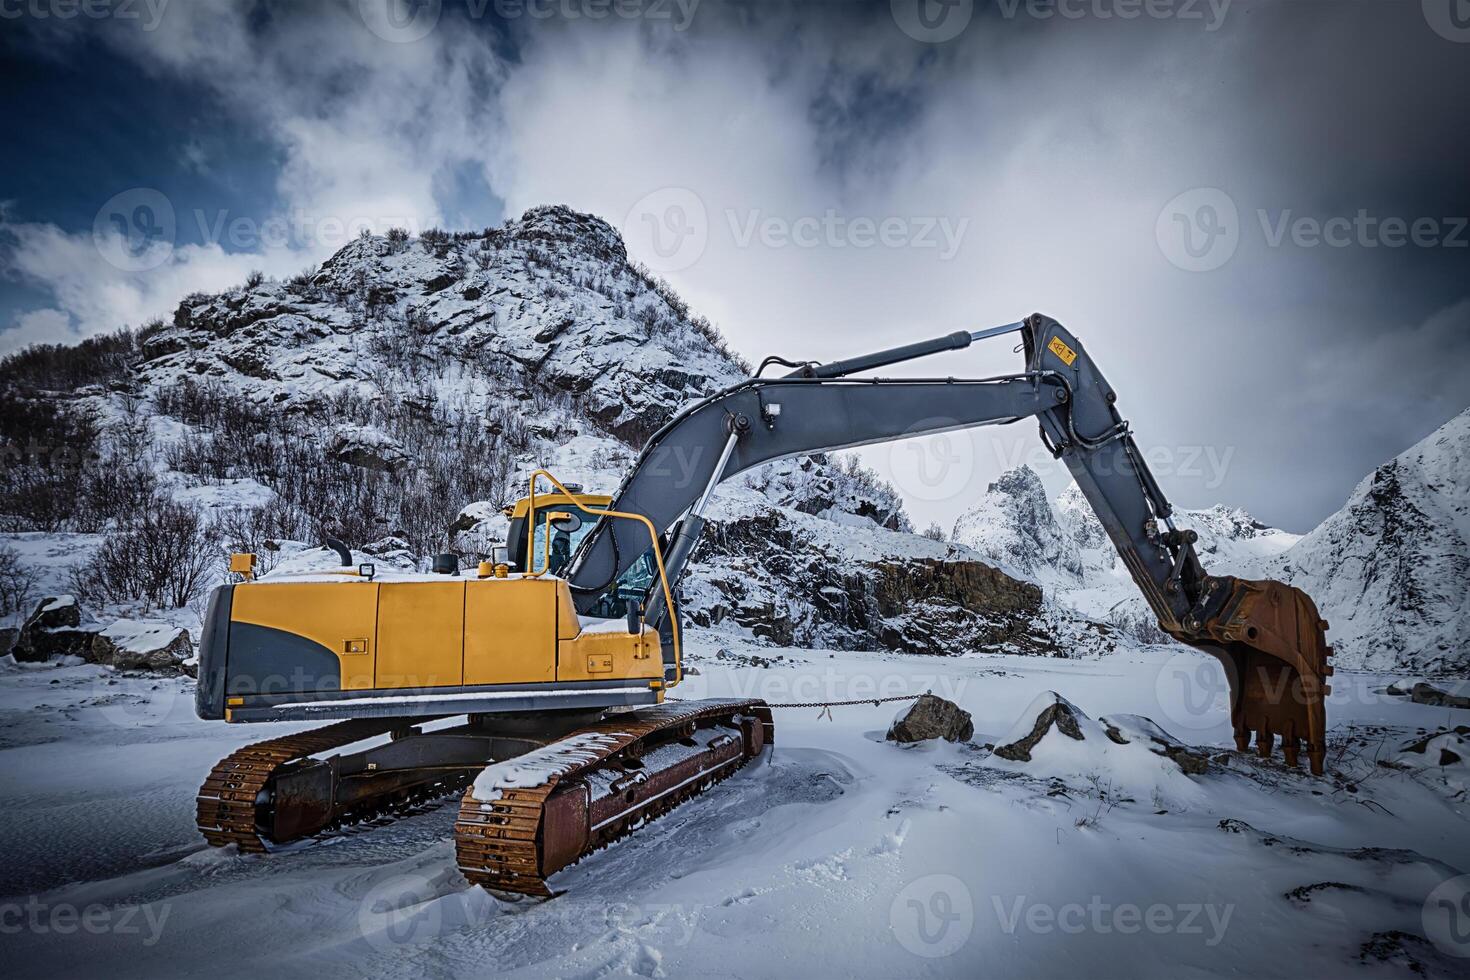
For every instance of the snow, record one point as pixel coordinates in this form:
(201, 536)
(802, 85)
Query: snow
(141, 636)
(841, 855)
(541, 765)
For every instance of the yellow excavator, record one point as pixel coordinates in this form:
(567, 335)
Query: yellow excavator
(536, 682)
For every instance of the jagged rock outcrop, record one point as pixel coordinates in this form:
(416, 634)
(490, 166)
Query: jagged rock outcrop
(58, 627)
(1014, 526)
(1389, 570)
(798, 580)
(368, 447)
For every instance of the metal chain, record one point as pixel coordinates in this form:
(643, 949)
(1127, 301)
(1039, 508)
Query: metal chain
(827, 706)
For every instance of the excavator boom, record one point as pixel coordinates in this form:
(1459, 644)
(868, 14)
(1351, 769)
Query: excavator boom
(1267, 635)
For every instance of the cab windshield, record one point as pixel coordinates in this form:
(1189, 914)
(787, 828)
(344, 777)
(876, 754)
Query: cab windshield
(563, 543)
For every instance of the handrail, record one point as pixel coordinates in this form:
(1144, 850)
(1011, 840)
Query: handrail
(658, 555)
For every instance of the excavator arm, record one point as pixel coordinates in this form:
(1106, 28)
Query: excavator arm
(1268, 635)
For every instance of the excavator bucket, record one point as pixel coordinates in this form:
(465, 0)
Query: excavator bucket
(1273, 644)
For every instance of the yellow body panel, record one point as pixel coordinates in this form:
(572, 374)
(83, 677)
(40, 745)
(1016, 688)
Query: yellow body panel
(458, 632)
(510, 630)
(421, 634)
(609, 655)
(338, 615)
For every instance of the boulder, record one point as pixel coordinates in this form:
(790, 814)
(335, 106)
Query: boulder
(1131, 729)
(932, 717)
(1060, 714)
(1429, 694)
(370, 448)
(57, 628)
(142, 645)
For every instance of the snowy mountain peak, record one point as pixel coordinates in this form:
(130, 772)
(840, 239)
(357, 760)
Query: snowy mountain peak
(1389, 569)
(1014, 526)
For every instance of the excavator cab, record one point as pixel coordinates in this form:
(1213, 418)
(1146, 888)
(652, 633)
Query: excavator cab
(558, 524)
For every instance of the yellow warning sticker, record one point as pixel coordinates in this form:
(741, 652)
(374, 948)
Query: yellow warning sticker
(1067, 354)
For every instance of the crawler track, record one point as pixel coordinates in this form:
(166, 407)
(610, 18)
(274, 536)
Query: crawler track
(236, 804)
(597, 784)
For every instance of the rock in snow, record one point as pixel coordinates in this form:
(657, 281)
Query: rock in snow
(931, 716)
(57, 627)
(1047, 712)
(142, 645)
(1423, 693)
(1117, 756)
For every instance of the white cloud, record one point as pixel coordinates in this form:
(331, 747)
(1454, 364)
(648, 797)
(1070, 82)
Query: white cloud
(1053, 150)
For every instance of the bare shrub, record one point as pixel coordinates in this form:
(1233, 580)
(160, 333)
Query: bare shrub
(17, 581)
(165, 559)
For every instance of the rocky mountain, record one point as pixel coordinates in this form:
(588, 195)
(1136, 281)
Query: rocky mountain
(400, 394)
(1389, 570)
(1013, 524)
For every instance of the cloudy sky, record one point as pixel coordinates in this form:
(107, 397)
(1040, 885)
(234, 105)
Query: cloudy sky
(1252, 212)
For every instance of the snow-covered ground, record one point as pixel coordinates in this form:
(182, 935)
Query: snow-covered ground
(843, 855)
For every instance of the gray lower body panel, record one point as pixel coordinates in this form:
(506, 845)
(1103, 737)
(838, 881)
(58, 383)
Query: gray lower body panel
(421, 703)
